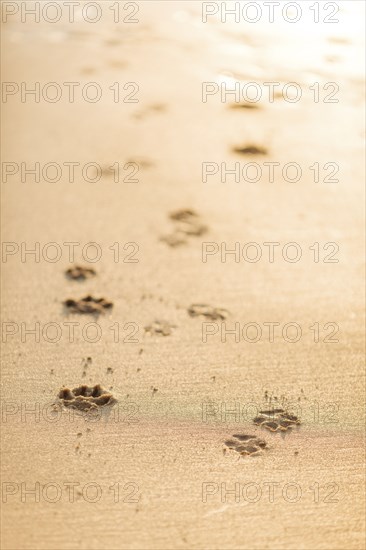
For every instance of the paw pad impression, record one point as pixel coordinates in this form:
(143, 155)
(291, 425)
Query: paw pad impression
(212, 313)
(276, 420)
(85, 398)
(246, 445)
(88, 305)
(80, 273)
(187, 224)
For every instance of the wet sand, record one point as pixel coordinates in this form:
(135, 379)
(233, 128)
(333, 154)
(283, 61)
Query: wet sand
(162, 442)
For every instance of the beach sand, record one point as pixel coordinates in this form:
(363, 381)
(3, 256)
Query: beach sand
(152, 471)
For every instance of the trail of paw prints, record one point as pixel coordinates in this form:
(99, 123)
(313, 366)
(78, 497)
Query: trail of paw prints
(187, 223)
(276, 420)
(86, 398)
(88, 304)
(80, 273)
(209, 312)
(246, 445)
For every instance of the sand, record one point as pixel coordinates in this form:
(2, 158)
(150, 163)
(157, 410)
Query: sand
(152, 471)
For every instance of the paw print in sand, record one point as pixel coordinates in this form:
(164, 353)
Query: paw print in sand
(246, 445)
(88, 305)
(174, 239)
(212, 313)
(86, 398)
(161, 328)
(79, 273)
(187, 224)
(276, 420)
(250, 150)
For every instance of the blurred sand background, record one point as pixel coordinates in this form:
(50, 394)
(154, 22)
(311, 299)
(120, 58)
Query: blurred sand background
(171, 451)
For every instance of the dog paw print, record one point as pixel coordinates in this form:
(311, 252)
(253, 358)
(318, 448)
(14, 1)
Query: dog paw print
(250, 150)
(203, 310)
(88, 305)
(276, 420)
(79, 273)
(160, 328)
(244, 105)
(187, 224)
(86, 398)
(246, 445)
(174, 239)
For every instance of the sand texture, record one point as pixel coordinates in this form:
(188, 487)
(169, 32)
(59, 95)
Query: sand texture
(135, 419)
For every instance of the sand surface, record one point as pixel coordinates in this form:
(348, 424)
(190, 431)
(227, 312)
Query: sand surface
(162, 443)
